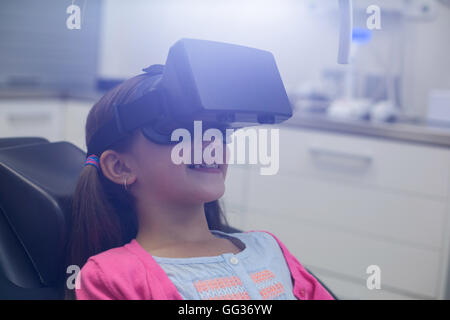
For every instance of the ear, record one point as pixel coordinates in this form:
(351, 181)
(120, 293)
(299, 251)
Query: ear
(117, 166)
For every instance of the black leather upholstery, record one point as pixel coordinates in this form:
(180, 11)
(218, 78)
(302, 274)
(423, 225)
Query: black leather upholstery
(37, 182)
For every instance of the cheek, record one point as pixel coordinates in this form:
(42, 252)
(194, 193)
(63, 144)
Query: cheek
(156, 173)
(162, 180)
(162, 171)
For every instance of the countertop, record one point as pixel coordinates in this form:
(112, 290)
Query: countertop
(406, 131)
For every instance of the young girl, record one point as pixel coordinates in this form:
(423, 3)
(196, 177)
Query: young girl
(145, 228)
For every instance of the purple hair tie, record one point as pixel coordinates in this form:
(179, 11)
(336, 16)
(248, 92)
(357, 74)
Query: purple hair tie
(92, 160)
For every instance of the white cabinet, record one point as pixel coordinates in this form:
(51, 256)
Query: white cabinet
(344, 202)
(53, 119)
(383, 164)
(40, 118)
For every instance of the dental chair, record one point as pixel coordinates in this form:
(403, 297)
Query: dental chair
(37, 181)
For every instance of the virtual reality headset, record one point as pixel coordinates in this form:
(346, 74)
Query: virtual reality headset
(223, 85)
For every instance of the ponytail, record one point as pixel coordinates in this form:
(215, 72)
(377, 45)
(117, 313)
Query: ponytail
(96, 222)
(101, 219)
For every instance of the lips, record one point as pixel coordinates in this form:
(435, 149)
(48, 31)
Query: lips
(203, 166)
(207, 168)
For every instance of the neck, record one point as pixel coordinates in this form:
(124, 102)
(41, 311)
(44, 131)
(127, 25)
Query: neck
(163, 225)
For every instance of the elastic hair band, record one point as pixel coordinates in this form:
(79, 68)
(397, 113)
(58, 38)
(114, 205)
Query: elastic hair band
(92, 160)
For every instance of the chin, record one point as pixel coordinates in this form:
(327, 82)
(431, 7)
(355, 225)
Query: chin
(211, 194)
(205, 193)
(205, 185)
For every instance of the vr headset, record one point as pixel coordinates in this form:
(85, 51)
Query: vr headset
(223, 85)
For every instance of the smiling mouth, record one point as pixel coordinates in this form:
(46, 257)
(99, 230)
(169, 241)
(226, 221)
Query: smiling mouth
(204, 166)
(207, 168)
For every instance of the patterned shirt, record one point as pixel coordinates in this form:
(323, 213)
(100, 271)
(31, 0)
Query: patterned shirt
(258, 272)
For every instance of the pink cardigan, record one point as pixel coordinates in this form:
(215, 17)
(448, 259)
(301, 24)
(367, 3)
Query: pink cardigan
(130, 273)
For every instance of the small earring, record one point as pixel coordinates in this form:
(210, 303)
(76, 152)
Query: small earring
(125, 184)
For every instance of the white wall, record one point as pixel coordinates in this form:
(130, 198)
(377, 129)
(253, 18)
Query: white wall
(140, 33)
(427, 62)
(303, 39)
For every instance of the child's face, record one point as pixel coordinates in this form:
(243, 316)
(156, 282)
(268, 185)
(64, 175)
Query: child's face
(158, 179)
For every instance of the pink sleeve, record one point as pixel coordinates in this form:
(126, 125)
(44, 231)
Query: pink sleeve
(92, 285)
(314, 290)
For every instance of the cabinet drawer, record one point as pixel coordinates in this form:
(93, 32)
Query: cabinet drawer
(385, 164)
(414, 220)
(402, 267)
(32, 118)
(345, 289)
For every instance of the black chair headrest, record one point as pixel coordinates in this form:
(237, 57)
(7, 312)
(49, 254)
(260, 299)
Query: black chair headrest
(37, 183)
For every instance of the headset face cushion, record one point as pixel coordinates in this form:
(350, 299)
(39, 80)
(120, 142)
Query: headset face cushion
(164, 135)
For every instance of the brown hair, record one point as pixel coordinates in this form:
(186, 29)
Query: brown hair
(103, 214)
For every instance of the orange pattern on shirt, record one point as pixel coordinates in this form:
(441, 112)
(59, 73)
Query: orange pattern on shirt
(231, 288)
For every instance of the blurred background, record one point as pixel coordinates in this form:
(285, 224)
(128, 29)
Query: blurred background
(364, 173)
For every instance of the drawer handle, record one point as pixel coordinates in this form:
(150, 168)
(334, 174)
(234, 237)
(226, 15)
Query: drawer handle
(27, 118)
(366, 159)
